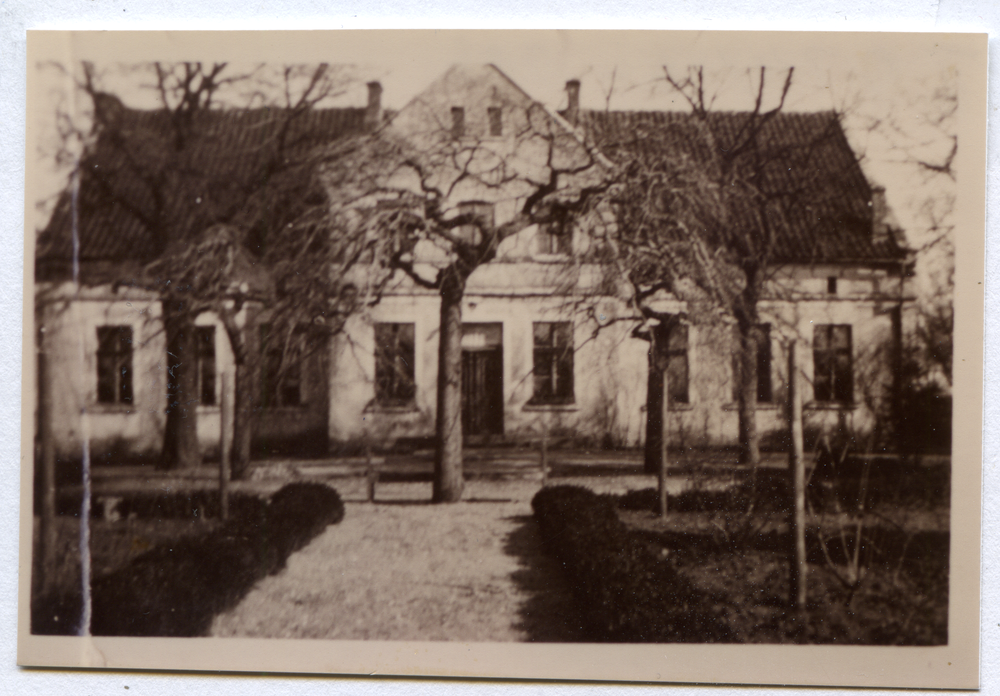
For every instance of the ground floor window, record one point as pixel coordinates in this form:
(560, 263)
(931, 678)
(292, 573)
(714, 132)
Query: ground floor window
(553, 362)
(281, 373)
(678, 367)
(395, 384)
(114, 364)
(833, 378)
(206, 365)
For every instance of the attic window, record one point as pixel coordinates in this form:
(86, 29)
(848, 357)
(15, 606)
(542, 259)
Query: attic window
(457, 121)
(831, 285)
(473, 233)
(496, 122)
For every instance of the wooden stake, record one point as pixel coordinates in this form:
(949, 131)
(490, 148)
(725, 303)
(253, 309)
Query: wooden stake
(47, 531)
(664, 427)
(224, 448)
(371, 475)
(797, 515)
(545, 450)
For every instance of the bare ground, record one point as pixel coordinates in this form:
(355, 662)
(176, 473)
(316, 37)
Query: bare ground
(401, 569)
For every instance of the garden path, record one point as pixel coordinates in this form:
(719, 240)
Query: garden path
(401, 569)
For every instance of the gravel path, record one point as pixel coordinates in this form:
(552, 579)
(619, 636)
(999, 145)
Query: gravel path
(405, 570)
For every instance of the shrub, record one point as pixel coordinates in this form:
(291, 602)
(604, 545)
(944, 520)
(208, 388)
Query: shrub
(626, 590)
(176, 589)
(300, 511)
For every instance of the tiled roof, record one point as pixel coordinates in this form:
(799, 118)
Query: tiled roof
(804, 157)
(232, 147)
(831, 223)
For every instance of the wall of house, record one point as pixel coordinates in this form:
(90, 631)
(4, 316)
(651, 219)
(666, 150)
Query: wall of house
(68, 336)
(67, 325)
(611, 366)
(799, 301)
(608, 391)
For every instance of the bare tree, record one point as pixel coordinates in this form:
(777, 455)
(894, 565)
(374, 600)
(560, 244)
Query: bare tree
(705, 203)
(442, 198)
(216, 189)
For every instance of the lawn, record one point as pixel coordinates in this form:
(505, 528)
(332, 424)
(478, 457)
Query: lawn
(113, 545)
(900, 598)
(717, 568)
(169, 574)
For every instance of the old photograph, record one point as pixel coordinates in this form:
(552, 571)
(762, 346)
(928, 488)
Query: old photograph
(574, 341)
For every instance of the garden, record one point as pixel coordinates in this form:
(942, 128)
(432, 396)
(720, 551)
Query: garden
(716, 568)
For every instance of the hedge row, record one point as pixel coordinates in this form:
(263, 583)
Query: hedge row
(627, 591)
(176, 589)
(145, 505)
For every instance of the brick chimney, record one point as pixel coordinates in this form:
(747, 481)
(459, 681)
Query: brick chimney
(373, 112)
(880, 214)
(572, 112)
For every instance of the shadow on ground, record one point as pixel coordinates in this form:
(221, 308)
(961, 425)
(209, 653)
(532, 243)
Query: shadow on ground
(549, 614)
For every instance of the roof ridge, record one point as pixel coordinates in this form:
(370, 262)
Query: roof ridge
(830, 112)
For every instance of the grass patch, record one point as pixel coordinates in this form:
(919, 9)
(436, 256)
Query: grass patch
(723, 553)
(175, 587)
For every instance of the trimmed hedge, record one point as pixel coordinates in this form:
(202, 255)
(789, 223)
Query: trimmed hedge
(176, 590)
(627, 591)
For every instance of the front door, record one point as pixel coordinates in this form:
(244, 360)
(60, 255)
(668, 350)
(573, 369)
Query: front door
(482, 380)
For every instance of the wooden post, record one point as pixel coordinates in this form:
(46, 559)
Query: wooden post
(664, 426)
(225, 419)
(545, 450)
(47, 528)
(797, 515)
(371, 475)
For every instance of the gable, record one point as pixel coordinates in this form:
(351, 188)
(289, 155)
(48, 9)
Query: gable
(474, 123)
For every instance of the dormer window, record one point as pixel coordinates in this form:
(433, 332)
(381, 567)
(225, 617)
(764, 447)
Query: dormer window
(457, 122)
(555, 238)
(483, 212)
(495, 116)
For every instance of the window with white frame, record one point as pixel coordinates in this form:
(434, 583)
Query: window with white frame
(495, 116)
(553, 362)
(833, 378)
(457, 122)
(114, 364)
(472, 233)
(281, 376)
(555, 237)
(206, 365)
(395, 349)
(678, 365)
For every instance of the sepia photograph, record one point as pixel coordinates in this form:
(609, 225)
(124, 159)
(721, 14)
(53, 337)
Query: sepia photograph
(601, 343)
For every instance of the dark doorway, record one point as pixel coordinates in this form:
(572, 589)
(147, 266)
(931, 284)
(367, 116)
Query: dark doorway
(482, 380)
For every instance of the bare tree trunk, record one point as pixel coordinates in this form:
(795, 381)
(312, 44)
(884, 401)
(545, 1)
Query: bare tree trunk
(180, 436)
(896, 397)
(242, 419)
(244, 342)
(225, 451)
(749, 440)
(799, 567)
(448, 479)
(661, 477)
(654, 417)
